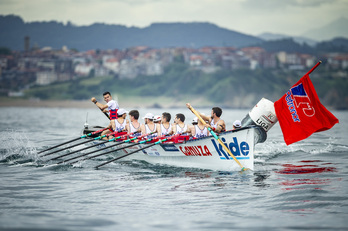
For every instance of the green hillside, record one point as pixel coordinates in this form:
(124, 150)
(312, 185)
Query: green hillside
(179, 83)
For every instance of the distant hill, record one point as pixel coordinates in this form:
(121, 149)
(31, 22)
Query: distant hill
(104, 36)
(288, 45)
(298, 39)
(337, 28)
(338, 45)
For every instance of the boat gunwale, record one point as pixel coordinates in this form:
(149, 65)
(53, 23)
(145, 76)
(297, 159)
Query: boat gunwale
(206, 137)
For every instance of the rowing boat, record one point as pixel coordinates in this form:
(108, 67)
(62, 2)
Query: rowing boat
(206, 152)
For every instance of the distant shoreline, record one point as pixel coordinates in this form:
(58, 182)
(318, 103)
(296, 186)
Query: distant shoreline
(45, 103)
(37, 103)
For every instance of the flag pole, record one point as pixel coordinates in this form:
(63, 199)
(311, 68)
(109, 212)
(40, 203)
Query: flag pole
(316, 65)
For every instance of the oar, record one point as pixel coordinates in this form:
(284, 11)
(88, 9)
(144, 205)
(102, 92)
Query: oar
(114, 145)
(215, 136)
(106, 114)
(62, 149)
(120, 157)
(113, 139)
(81, 137)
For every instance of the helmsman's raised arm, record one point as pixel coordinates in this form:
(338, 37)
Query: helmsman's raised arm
(101, 106)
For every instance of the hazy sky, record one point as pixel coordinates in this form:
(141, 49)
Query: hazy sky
(292, 17)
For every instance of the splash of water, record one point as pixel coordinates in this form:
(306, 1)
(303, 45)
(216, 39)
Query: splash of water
(16, 148)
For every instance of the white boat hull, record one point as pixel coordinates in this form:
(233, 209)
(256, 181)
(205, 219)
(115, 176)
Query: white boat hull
(205, 153)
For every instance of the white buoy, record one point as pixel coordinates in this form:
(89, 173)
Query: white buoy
(262, 114)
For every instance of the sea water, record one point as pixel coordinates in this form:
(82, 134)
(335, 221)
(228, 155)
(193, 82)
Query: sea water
(296, 187)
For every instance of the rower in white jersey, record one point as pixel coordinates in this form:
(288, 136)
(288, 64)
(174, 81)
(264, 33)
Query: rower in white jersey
(197, 129)
(157, 119)
(200, 130)
(121, 122)
(166, 127)
(214, 121)
(150, 127)
(179, 127)
(134, 125)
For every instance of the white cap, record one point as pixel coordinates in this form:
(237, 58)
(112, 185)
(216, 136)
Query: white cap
(195, 120)
(237, 124)
(121, 111)
(148, 116)
(157, 118)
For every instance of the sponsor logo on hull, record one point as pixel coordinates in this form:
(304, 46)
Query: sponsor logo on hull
(240, 151)
(169, 148)
(195, 150)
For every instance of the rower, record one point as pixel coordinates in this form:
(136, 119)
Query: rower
(166, 127)
(214, 122)
(121, 122)
(111, 105)
(195, 121)
(179, 126)
(150, 126)
(134, 125)
(157, 119)
(237, 124)
(197, 130)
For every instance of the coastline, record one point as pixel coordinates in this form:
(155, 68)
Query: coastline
(127, 103)
(45, 103)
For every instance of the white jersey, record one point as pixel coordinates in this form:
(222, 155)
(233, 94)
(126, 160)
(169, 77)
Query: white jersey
(165, 131)
(134, 129)
(112, 105)
(180, 129)
(148, 130)
(212, 123)
(119, 127)
(200, 133)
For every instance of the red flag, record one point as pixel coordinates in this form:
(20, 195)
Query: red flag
(300, 112)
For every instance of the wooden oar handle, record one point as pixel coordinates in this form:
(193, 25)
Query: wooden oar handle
(196, 113)
(215, 136)
(95, 102)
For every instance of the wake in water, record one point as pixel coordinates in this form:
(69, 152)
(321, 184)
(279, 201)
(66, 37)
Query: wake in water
(273, 148)
(16, 148)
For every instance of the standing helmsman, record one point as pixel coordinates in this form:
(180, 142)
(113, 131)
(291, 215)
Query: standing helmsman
(111, 106)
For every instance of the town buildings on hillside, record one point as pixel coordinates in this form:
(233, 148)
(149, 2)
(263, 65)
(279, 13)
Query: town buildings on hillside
(45, 66)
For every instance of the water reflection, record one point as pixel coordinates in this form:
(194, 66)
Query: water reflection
(305, 175)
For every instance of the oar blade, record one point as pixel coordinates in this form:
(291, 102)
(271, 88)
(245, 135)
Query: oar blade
(70, 141)
(120, 157)
(56, 146)
(150, 145)
(62, 149)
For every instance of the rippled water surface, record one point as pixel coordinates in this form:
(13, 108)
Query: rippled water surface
(301, 186)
